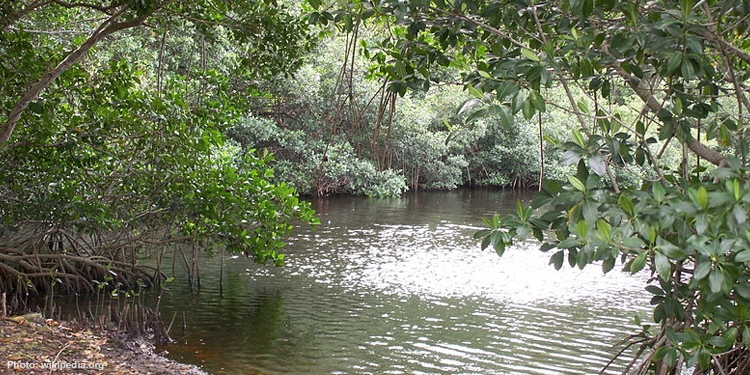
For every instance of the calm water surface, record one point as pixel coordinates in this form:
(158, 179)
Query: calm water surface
(397, 286)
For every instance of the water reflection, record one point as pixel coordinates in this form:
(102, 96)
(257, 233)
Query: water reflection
(398, 287)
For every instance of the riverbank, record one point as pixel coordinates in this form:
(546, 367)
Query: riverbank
(33, 345)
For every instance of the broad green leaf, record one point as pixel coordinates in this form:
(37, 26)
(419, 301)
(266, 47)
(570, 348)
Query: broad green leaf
(626, 204)
(583, 106)
(702, 197)
(663, 266)
(499, 247)
(590, 211)
(658, 191)
(739, 214)
(528, 109)
(506, 115)
(655, 290)
(736, 189)
(587, 6)
(577, 183)
(686, 6)
(702, 269)
(605, 229)
(578, 138)
(582, 228)
(537, 101)
(473, 91)
(598, 165)
(557, 259)
(673, 63)
(716, 280)
(743, 256)
(529, 54)
(638, 262)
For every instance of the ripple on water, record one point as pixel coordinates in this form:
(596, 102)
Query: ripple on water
(412, 298)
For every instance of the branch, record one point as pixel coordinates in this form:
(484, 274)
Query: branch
(106, 28)
(100, 8)
(725, 45)
(45, 32)
(14, 16)
(648, 98)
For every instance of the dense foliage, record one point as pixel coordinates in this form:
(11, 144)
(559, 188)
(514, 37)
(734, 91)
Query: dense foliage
(687, 63)
(110, 144)
(132, 124)
(335, 130)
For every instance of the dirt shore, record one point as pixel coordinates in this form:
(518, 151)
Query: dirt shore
(32, 345)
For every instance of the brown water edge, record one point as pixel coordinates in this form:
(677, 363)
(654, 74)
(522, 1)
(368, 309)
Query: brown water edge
(30, 344)
(106, 334)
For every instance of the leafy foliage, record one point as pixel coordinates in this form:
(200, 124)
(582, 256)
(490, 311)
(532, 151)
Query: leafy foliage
(103, 156)
(686, 63)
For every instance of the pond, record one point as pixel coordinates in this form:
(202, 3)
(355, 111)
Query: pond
(398, 286)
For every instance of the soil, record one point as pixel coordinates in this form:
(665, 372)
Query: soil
(30, 344)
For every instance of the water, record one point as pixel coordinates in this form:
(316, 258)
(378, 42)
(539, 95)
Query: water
(398, 286)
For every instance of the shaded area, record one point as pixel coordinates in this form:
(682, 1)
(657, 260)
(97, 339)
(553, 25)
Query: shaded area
(33, 345)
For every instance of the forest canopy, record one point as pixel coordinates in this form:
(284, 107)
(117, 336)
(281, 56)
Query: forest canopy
(112, 121)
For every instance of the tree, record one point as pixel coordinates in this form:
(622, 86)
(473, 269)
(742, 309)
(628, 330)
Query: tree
(104, 156)
(271, 39)
(687, 63)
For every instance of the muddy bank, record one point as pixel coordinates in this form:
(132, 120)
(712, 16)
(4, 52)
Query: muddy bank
(33, 345)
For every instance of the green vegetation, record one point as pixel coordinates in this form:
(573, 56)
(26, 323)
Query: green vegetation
(686, 224)
(138, 124)
(112, 121)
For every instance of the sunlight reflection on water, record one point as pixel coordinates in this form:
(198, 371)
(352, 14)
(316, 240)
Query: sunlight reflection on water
(400, 287)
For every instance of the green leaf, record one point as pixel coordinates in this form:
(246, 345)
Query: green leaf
(529, 54)
(578, 138)
(638, 262)
(704, 358)
(673, 62)
(577, 183)
(658, 191)
(582, 228)
(507, 118)
(655, 290)
(598, 165)
(663, 266)
(590, 211)
(557, 259)
(499, 247)
(528, 109)
(717, 341)
(736, 189)
(537, 101)
(739, 214)
(583, 106)
(743, 256)
(716, 280)
(626, 204)
(701, 196)
(604, 228)
(686, 6)
(473, 91)
(586, 8)
(702, 269)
